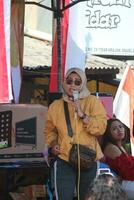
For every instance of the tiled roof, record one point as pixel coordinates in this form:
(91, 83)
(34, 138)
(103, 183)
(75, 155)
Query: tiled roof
(96, 62)
(37, 55)
(36, 52)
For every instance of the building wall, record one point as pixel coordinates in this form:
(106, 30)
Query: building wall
(38, 18)
(103, 87)
(38, 89)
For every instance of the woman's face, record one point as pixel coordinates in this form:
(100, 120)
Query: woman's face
(73, 82)
(117, 131)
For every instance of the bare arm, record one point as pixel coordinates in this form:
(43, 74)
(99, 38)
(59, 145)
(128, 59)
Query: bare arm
(112, 151)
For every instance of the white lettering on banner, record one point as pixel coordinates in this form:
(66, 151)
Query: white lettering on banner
(91, 3)
(102, 21)
(100, 27)
(110, 19)
(110, 50)
(97, 19)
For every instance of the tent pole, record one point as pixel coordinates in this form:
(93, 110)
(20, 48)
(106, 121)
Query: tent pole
(58, 7)
(59, 48)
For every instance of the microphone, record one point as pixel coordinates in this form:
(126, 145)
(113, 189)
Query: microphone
(75, 95)
(75, 98)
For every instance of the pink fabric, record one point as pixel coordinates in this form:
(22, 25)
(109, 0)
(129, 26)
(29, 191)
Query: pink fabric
(4, 94)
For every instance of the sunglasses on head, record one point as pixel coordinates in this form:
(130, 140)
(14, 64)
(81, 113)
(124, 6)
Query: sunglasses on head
(76, 82)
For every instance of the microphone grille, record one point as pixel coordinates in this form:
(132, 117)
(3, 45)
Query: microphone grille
(75, 95)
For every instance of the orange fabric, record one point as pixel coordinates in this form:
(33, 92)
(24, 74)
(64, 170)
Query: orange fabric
(129, 89)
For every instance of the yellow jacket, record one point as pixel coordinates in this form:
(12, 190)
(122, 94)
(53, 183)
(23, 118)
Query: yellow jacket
(56, 128)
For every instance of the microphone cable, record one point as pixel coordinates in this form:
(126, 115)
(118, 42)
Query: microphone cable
(78, 156)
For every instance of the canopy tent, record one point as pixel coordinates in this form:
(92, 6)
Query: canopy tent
(60, 11)
(59, 8)
(17, 36)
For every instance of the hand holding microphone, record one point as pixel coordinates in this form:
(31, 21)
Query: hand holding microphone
(75, 100)
(76, 104)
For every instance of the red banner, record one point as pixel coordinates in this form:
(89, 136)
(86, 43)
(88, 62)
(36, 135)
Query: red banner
(5, 77)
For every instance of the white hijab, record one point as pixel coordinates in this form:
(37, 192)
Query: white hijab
(83, 91)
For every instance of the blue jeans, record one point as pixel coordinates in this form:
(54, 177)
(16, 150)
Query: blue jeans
(65, 180)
